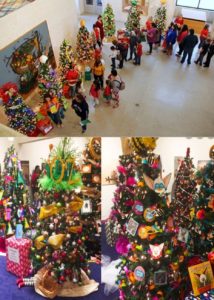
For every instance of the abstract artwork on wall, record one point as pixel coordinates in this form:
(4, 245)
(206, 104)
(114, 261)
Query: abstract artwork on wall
(8, 6)
(19, 61)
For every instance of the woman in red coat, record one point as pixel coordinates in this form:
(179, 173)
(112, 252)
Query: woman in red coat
(99, 24)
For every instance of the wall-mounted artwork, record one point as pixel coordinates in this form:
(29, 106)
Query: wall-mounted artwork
(8, 6)
(19, 61)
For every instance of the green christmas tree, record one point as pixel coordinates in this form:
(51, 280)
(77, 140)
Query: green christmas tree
(133, 20)
(91, 177)
(15, 198)
(66, 58)
(20, 116)
(109, 21)
(59, 242)
(146, 264)
(160, 18)
(84, 47)
(204, 211)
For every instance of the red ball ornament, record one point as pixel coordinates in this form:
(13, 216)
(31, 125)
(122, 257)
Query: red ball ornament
(79, 242)
(62, 278)
(201, 214)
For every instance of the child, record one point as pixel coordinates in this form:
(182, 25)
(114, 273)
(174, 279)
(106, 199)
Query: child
(95, 91)
(53, 109)
(81, 108)
(113, 56)
(107, 94)
(138, 53)
(203, 51)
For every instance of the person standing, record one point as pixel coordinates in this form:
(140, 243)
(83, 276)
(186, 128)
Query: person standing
(203, 51)
(133, 44)
(99, 24)
(181, 36)
(52, 106)
(210, 54)
(113, 57)
(122, 52)
(139, 53)
(80, 106)
(72, 77)
(151, 37)
(189, 44)
(98, 71)
(96, 36)
(170, 39)
(203, 35)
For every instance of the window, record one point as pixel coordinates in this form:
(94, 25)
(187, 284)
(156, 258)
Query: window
(99, 3)
(200, 4)
(89, 2)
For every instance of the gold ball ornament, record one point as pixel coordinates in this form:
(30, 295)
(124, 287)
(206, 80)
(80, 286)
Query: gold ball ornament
(163, 2)
(82, 23)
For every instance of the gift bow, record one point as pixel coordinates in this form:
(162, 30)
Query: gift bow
(48, 211)
(55, 241)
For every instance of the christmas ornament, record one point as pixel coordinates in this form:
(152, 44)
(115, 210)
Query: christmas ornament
(211, 154)
(156, 250)
(132, 226)
(139, 273)
(158, 185)
(43, 59)
(138, 208)
(146, 232)
(150, 214)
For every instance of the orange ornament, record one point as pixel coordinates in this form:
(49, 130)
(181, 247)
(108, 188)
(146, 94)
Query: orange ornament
(51, 147)
(132, 277)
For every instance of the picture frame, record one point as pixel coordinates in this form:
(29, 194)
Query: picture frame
(183, 235)
(132, 226)
(87, 207)
(160, 277)
(201, 276)
(86, 169)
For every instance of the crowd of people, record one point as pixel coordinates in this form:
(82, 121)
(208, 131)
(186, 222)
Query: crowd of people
(109, 89)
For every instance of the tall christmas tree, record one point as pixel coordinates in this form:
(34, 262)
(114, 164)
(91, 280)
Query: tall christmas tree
(184, 193)
(109, 21)
(59, 243)
(15, 198)
(145, 267)
(20, 116)
(204, 211)
(133, 20)
(160, 18)
(91, 177)
(66, 58)
(84, 47)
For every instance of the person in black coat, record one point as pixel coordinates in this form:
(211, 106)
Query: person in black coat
(189, 43)
(123, 52)
(81, 108)
(210, 54)
(203, 51)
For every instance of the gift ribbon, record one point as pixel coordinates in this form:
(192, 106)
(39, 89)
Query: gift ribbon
(48, 211)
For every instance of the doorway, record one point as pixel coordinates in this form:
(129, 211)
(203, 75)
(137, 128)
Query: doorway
(93, 6)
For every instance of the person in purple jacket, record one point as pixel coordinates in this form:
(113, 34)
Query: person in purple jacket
(151, 37)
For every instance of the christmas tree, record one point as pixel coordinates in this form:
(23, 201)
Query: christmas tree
(91, 177)
(66, 59)
(2, 223)
(20, 116)
(160, 18)
(109, 21)
(146, 265)
(59, 243)
(204, 211)
(184, 193)
(15, 198)
(133, 20)
(84, 47)
(126, 183)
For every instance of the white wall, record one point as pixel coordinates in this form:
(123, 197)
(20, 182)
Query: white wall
(167, 148)
(61, 16)
(37, 151)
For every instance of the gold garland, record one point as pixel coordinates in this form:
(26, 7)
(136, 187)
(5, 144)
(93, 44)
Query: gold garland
(64, 167)
(140, 144)
(93, 153)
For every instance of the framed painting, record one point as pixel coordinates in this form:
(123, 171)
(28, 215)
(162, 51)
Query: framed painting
(19, 61)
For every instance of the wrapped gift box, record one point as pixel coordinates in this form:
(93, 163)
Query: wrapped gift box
(18, 256)
(45, 125)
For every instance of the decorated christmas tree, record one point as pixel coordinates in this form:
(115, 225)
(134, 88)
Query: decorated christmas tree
(91, 211)
(66, 58)
(84, 47)
(109, 21)
(15, 198)
(184, 193)
(20, 116)
(160, 18)
(2, 222)
(204, 211)
(146, 266)
(133, 20)
(59, 243)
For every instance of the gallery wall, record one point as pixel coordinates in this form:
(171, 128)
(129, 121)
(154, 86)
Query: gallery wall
(167, 148)
(61, 16)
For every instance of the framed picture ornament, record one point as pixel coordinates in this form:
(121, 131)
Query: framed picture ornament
(96, 178)
(87, 207)
(160, 277)
(132, 226)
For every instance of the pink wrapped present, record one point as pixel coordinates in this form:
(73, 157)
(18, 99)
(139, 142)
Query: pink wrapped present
(18, 256)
